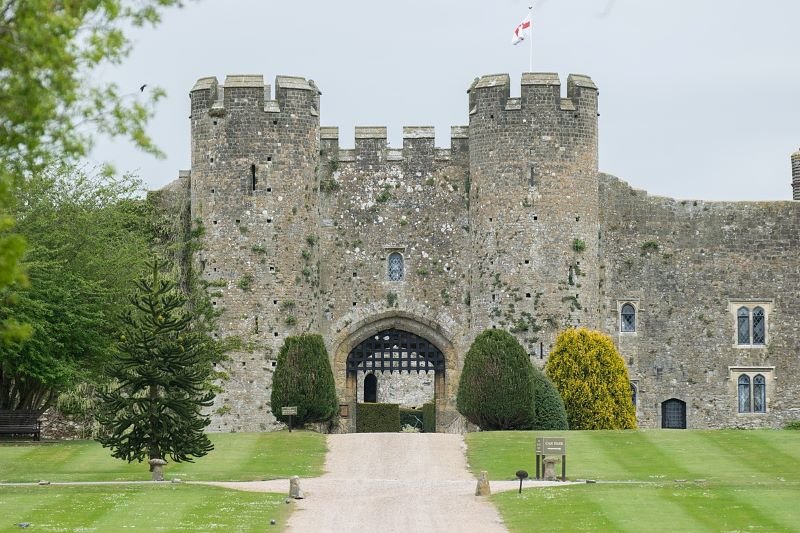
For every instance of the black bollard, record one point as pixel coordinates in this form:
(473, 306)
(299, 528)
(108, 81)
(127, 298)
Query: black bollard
(521, 474)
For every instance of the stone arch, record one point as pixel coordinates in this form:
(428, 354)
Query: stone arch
(445, 384)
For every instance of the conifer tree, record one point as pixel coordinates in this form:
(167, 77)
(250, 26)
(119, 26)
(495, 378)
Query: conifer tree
(588, 371)
(550, 412)
(496, 386)
(161, 378)
(303, 378)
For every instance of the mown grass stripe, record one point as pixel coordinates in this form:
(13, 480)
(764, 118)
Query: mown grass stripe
(157, 507)
(236, 457)
(756, 451)
(631, 457)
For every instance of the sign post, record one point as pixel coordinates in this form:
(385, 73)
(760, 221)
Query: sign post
(290, 412)
(551, 446)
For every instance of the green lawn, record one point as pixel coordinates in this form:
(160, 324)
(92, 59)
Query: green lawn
(652, 480)
(156, 507)
(236, 457)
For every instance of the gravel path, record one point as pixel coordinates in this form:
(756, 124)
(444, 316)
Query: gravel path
(391, 482)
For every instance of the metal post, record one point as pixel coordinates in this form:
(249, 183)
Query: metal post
(290, 423)
(563, 468)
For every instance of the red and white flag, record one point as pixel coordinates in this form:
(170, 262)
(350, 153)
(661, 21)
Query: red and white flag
(522, 31)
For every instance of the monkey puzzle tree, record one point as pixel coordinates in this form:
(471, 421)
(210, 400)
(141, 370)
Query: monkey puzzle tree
(161, 379)
(303, 378)
(588, 371)
(496, 386)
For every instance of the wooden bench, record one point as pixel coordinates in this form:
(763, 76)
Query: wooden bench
(19, 422)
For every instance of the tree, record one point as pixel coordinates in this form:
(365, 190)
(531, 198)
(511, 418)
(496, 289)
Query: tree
(51, 106)
(89, 237)
(496, 386)
(161, 379)
(303, 378)
(550, 412)
(588, 371)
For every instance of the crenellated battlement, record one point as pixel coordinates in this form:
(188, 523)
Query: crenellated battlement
(371, 145)
(248, 92)
(539, 92)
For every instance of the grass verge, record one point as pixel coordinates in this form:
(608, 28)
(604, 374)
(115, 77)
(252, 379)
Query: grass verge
(651, 480)
(157, 507)
(236, 457)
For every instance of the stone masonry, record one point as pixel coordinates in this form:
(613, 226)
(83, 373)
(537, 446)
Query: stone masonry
(511, 227)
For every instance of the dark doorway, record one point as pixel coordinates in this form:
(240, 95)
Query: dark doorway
(370, 388)
(673, 414)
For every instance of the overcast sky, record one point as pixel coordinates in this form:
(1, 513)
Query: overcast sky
(698, 98)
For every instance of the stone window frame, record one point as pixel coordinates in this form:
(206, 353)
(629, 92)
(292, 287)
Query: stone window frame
(733, 308)
(635, 393)
(767, 372)
(634, 302)
(390, 251)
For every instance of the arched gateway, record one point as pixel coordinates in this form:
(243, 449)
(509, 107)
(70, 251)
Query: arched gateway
(392, 344)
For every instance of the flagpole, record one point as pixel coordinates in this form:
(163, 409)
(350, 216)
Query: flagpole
(530, 38)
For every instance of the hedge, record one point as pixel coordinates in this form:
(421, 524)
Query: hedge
(377, 418)
(429, 418)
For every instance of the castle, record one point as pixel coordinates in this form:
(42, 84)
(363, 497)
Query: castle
(399, 257)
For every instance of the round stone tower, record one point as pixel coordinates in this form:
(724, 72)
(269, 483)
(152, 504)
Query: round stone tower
(796, 175)
(253, 182)
(533, 206)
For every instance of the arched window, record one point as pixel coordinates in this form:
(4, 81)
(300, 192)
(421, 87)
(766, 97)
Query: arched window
(759, 394)
(628, 318)
(744, 393)
(759, 326)
(743, 325)
(396, 269)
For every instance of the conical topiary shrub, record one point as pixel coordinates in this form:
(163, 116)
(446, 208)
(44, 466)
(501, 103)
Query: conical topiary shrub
(496, 386)
(303, 378)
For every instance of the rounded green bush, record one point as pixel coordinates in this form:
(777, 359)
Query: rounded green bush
(303, 378)
(550, 412)
(496, 386)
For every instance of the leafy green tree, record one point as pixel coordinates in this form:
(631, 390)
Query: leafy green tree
(161, 379)
(89, 236)
(550, 412)
(52, 105)
(496, 386)
(588, 371)
(303, 378)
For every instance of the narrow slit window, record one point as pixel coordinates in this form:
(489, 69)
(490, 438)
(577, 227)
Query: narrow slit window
(253, 178)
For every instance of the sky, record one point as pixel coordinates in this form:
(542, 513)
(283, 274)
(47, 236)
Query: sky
(699, 99)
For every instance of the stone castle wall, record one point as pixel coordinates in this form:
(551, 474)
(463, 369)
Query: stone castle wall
(511, 227)
(687, 266)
